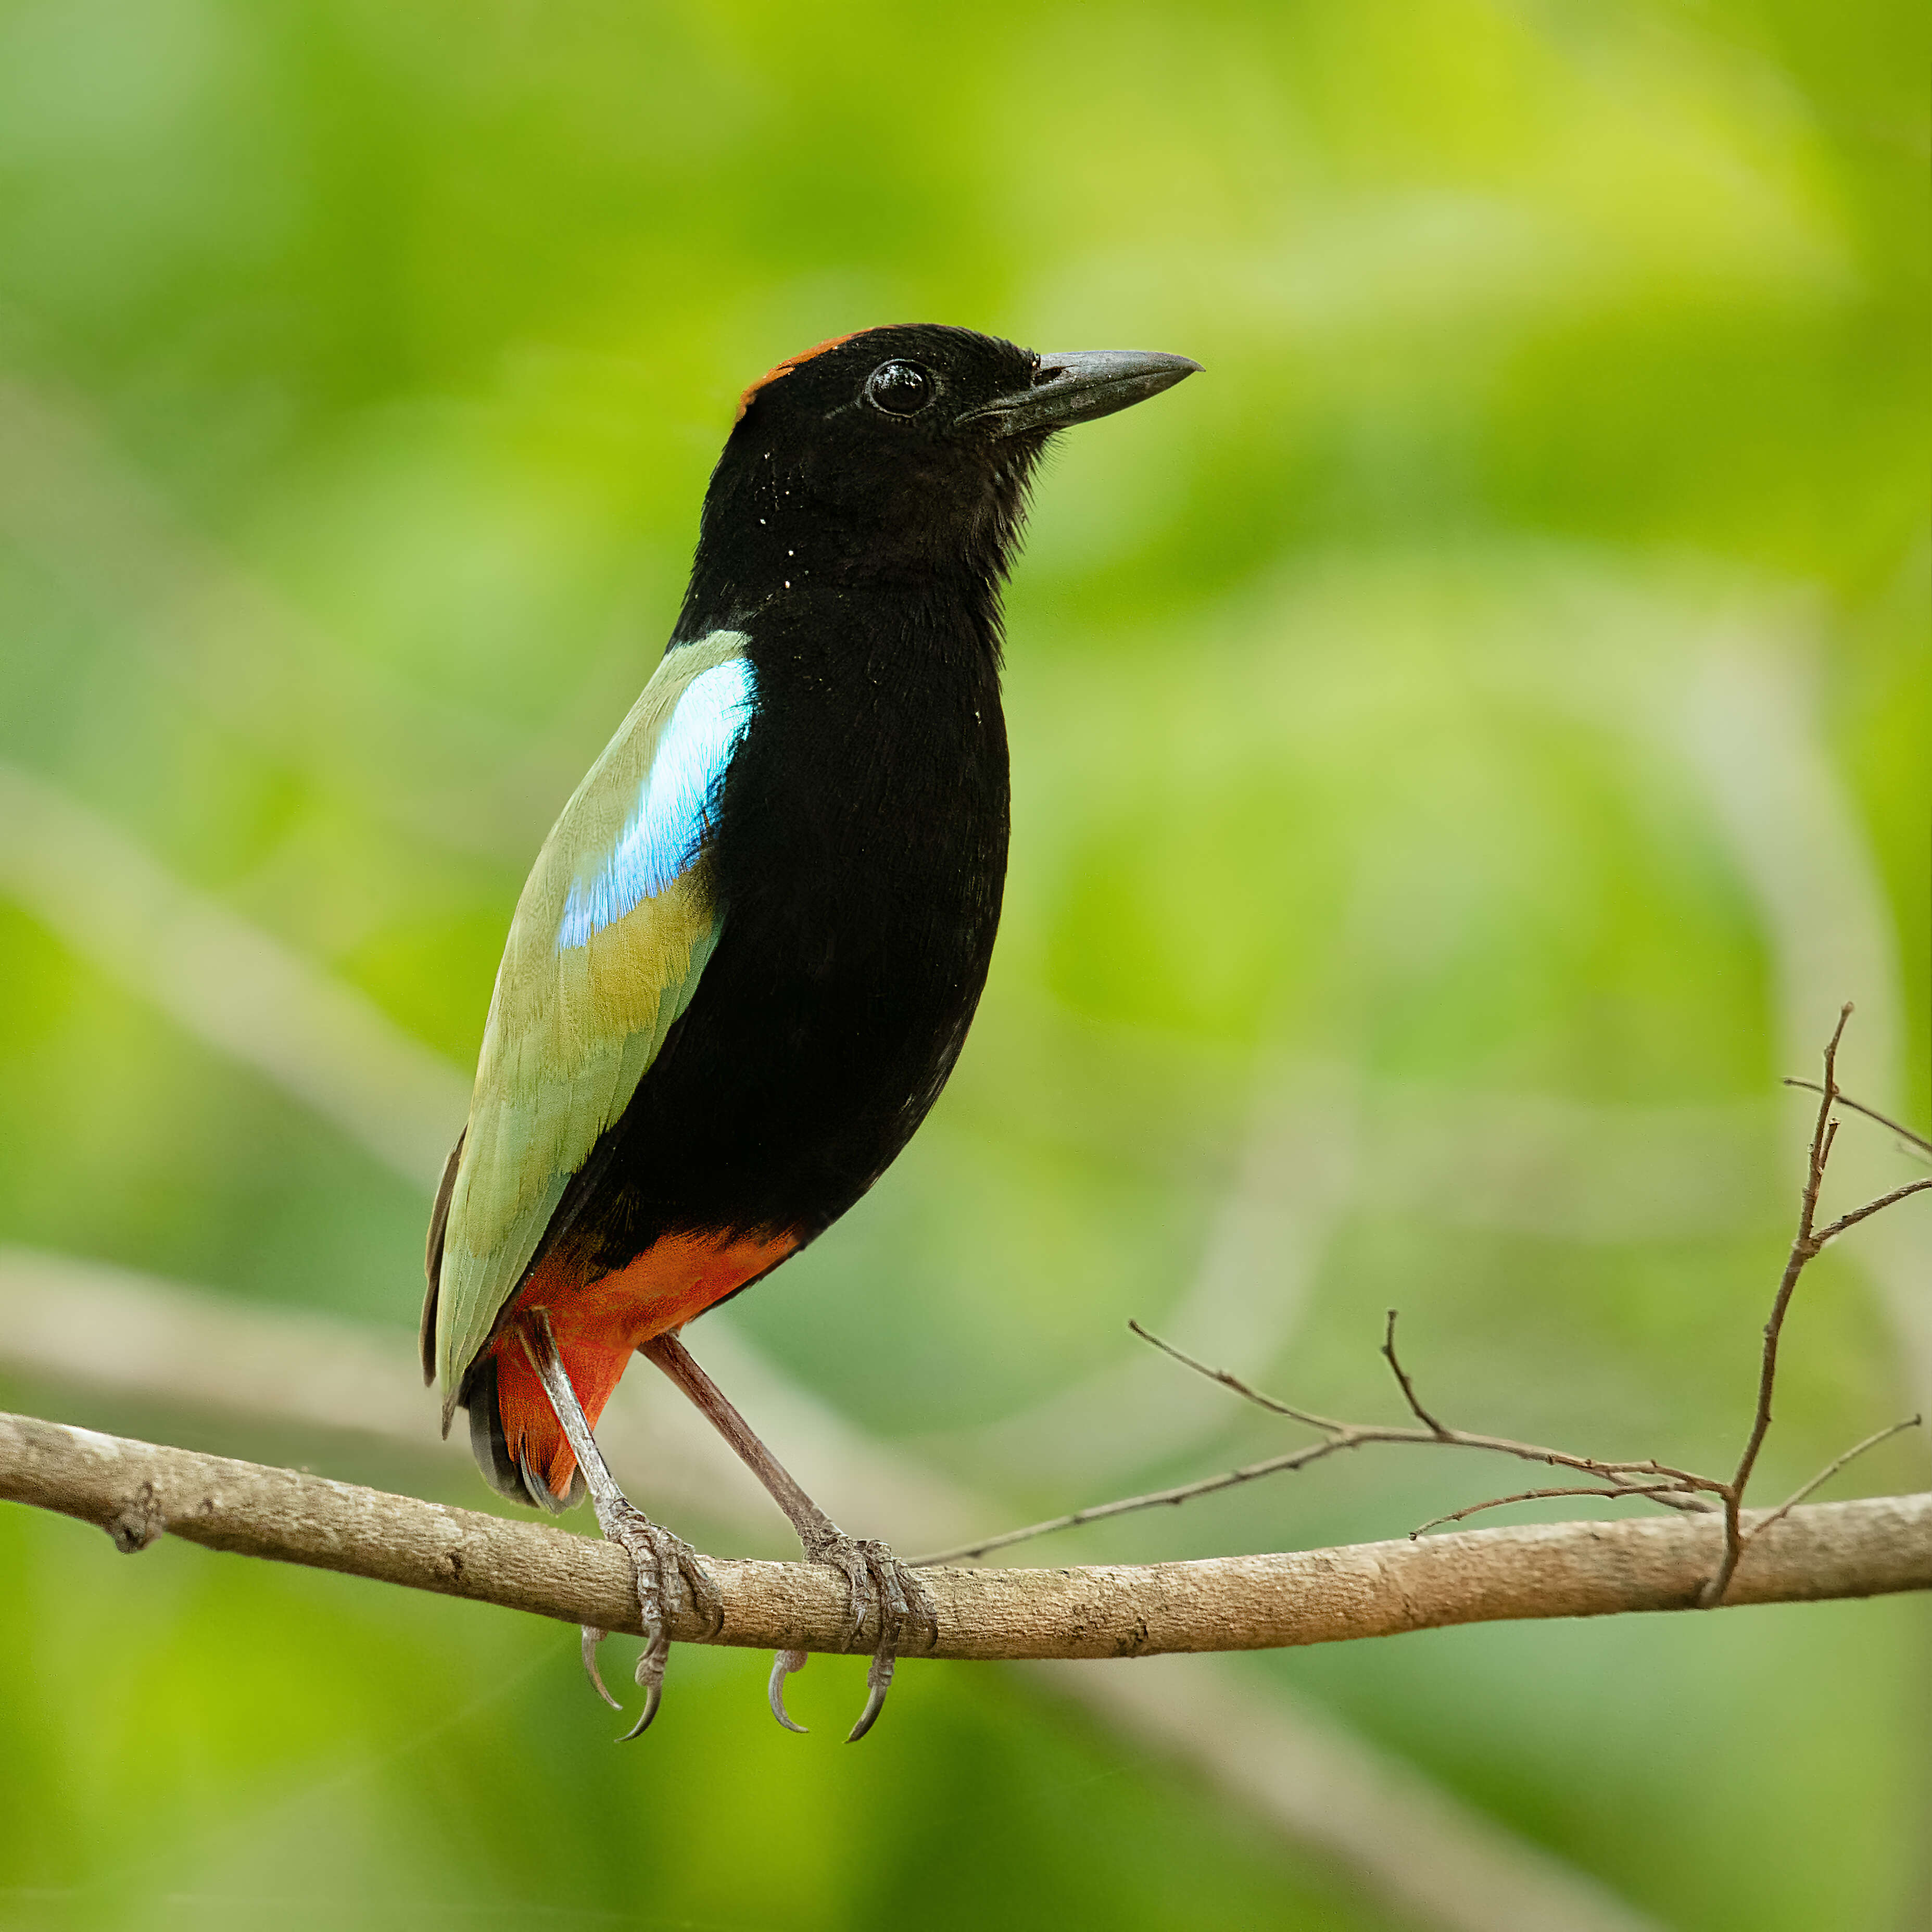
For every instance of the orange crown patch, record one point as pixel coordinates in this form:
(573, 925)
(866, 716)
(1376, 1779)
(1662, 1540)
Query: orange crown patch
(790, 363)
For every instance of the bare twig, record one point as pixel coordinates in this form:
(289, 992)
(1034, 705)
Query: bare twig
(137, 1492)
(1676, 1489)
(1835, 1229)
(1407, 1387)
(1654, 1491)
(1910, 1134)
(1804, 1248)
(1352, 1435)
(1181, 1492)
(1830, 1470)
(1229, 1380)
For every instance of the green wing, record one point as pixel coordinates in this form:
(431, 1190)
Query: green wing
(583, 1000)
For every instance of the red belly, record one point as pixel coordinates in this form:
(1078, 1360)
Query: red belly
(599, 1324)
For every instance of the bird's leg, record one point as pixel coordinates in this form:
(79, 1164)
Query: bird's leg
(665, 1564)
(880, 1586)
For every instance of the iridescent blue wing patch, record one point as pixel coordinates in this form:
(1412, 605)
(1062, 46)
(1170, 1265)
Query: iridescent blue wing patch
(675, 805)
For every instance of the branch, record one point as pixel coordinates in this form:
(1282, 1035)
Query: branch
(136, 1491)
(1411, 1845)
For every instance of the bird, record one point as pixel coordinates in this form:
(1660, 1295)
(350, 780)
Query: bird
(746, 958)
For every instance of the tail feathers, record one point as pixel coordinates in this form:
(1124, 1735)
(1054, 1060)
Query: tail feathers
(439, 1223)
(518, 1472)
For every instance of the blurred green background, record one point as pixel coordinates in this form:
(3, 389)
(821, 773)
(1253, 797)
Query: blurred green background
(1466, 745)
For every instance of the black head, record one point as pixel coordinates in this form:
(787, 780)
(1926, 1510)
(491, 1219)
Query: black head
(895, 454)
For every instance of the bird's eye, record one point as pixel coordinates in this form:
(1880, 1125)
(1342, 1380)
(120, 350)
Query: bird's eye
(900, 388)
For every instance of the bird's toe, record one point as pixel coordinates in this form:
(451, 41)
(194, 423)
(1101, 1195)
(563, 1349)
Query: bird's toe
(888, 1604)
(670, 1577)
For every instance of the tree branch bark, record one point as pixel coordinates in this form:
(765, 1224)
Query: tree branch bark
(137, 1491)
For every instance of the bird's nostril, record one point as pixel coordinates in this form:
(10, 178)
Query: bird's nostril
(1048, 372)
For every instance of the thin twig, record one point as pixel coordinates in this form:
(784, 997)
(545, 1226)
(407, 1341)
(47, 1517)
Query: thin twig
(1804, 1247)
(1830, 1470)
(1407, 1387)
(1351, 1435)
(1918, 1140)
(1657, 1491)
(1246, 1391)
(1831, 1231)
(1182, 1493)
(1677, 1489)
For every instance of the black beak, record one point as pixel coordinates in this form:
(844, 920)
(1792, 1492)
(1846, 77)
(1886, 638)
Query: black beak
(1078, 387)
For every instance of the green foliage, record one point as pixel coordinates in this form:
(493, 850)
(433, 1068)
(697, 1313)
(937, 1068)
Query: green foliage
(1466, 744)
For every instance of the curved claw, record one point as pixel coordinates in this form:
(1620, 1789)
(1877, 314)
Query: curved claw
(651, 1660)
(591, 1637)
(879, 1680)
(653, 1697)
(783, 1665)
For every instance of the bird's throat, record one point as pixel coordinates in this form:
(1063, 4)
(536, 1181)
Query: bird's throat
(769, 540)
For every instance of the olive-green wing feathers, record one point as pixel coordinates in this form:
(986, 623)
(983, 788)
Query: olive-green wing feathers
(614, 927)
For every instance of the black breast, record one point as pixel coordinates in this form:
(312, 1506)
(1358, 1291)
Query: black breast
(859, 860)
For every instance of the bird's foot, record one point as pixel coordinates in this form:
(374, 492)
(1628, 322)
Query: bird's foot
(669, 1578)
(885, 1601)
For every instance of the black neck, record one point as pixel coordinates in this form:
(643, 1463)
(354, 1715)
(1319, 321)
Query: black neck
(770, 537)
